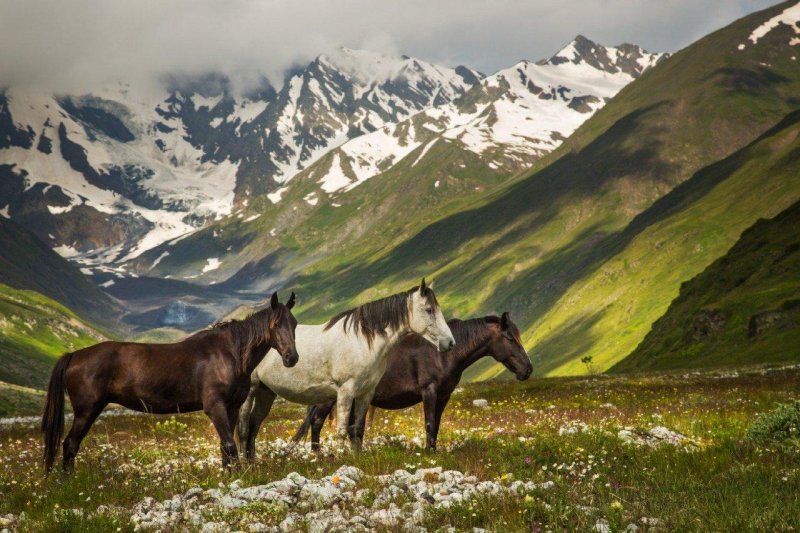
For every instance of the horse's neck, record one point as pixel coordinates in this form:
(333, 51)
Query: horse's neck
(254, 358)
(382, 345)
(462, 357)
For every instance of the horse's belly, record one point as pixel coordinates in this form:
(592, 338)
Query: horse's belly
(158, 407)
(309, 395)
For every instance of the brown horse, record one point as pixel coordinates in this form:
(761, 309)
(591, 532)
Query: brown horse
(209, 370)
(417, 373)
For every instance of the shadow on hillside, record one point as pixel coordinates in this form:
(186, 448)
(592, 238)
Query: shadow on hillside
(524, 208)
(566, 344)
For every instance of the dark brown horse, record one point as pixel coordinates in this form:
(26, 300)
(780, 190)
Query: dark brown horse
(209, 370)
(416, 372)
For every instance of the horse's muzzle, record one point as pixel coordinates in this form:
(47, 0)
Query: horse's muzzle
(445, 345)
(289, 360)
(525, 374)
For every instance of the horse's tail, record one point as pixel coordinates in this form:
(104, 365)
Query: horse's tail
(53, 417)
(302, 431)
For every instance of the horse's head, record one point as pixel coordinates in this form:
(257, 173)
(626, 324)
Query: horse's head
(506, 347)
(282, 325)
(425, 318)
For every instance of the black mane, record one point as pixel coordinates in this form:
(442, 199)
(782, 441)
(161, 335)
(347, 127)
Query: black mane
(246, 333)
(374, 318)
(470, 333)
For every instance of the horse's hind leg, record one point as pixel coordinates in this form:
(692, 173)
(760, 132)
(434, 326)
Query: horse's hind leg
(243, 424)
(317, 421)
(359, 420)
(262, 404)
(84, 417)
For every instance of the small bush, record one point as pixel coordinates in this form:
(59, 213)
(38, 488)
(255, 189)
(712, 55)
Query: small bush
(170, 427)
(781, 425)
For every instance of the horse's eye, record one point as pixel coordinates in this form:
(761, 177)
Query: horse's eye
(429, 310)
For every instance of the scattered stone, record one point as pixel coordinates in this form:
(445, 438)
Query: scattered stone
(602, 526)
(648, 521)
(315, 503)
(573, 427)
(480, 402)
(656, 437)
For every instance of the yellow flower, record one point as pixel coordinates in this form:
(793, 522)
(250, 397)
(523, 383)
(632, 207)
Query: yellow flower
(616, 505)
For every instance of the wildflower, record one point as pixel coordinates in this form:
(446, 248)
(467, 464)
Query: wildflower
(616, 505)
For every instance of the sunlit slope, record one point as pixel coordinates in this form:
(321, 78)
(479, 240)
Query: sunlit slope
(533, 246)
(743, 308)
(34, 331)
(28, 263)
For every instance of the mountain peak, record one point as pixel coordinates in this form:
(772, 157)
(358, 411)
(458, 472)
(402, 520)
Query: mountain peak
(628, 58)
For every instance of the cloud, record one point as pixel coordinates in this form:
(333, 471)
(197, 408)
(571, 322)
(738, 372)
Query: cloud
(71, 45)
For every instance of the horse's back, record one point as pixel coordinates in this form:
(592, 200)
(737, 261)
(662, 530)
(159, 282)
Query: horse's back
(153, 377)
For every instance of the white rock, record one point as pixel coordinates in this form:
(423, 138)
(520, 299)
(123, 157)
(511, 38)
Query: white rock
(480, 402)
(231, 502)
(602, 526)
(350, 472)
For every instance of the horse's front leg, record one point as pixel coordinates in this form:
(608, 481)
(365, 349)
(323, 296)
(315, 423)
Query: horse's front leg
(219, 413)
(344, 404)
(429, 408)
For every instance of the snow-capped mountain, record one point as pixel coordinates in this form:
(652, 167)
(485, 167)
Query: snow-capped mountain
(103, 177)
(510, 118)
(109, 174)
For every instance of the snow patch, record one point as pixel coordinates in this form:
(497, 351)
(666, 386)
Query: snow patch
(252, 217)
(424, 151)
(107, 284)
(335, 178)
(201, 101)
(275, 197)
(212, 263)
(158, 259)
(66, 251)
(789, 16)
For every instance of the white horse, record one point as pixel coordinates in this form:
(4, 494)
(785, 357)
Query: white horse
(343, 363)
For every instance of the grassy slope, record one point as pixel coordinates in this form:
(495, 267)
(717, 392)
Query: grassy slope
(529, 243)
(761, 273)
(525, 246)
(28, 263)
(667, 244)
(34, 330)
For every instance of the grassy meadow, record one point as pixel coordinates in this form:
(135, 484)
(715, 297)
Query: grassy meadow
(563, 434)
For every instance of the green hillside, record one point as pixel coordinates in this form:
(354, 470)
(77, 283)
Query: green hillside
(587, 248)
(34, 331)
(605, 314)
(28, 263)
(532, 246)
(744, 308)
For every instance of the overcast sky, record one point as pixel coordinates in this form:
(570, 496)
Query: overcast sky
(75, 44)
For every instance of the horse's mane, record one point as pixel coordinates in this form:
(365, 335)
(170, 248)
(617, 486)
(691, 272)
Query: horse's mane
(246, 333)
(471, 332)
(374, 318)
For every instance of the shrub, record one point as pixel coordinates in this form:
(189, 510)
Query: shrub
(781, 425)
(170, 427)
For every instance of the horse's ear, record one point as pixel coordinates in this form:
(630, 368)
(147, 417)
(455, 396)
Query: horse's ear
(423, 287)
(273, 302)
(430, 285)
(505, 320)
(290, 303)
